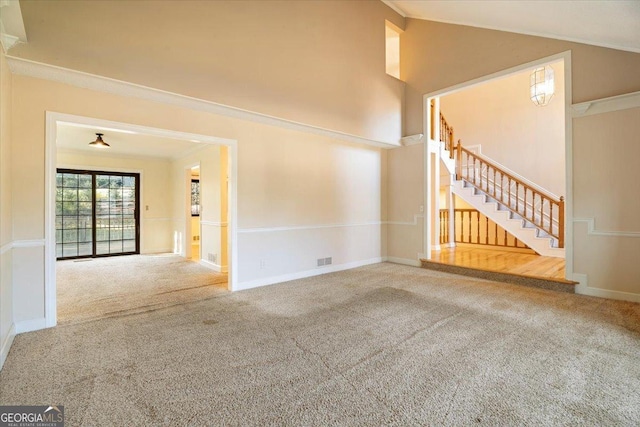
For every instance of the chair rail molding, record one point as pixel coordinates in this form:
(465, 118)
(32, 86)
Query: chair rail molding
(306, 227)
(591, 229)
(411, 223)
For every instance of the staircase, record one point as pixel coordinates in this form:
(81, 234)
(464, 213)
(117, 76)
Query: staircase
(527, 232)
(525, 210)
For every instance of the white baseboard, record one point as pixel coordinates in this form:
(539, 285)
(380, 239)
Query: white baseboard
(583, 288)
(214, 267)
(304, 274)
(31, 325)
(157, 251)
(6, 345)
(403, 261)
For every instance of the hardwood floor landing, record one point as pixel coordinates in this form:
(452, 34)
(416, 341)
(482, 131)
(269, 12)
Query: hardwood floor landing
(530, 265)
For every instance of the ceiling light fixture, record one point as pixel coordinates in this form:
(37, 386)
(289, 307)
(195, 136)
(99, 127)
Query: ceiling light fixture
(542, 85)
(99, 143)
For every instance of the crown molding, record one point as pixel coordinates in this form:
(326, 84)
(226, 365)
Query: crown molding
(12, 29)
(607, 105)
(411, 139)
(8, 41)
(395, 7)
(25, 67)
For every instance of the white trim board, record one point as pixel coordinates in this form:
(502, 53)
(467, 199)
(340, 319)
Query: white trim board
(306, 227)
(33, 243)
(591, 229)
(213, 266)
(583, 288)
(304, 274)
(31, 325)
(52, 120)
(414, 223)
(6, 345)
(402, 261)
(84, 80)
(606, 105)
(6, 248)
(215, 224)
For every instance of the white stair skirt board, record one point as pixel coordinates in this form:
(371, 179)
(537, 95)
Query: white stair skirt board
(536, 239)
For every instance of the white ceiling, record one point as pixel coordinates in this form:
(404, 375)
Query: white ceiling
(608, 23)
(77, 138)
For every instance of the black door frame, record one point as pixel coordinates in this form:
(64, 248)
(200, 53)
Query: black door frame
(136, 211)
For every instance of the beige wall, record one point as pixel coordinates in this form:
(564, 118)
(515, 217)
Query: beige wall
(605, 190)
(155, 223)
(437, 56)
(316, 62)
(6, 235)
(404, 200)
(300, 196)
(511, 130)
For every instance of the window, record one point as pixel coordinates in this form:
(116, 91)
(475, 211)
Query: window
(96, 213)
(392, 49)
(195, 197)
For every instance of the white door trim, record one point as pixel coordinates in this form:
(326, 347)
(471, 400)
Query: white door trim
(568, 135)
(52, 120)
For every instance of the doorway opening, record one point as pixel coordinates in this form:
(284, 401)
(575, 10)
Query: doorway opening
(488, 139)
(195, 205)
(129, 199)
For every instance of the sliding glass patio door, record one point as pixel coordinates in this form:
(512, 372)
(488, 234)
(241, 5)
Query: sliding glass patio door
(96, 214)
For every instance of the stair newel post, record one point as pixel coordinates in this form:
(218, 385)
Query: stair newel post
(560, 222)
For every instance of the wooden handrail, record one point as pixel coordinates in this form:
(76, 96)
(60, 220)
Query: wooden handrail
(536, 206)
(446, 135)
(474, 227)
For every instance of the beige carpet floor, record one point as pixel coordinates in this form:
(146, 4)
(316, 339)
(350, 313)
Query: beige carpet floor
(374, 346)
(90, 289)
